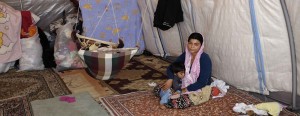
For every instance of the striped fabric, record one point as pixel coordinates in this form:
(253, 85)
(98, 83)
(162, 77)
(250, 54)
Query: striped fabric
(105, 64)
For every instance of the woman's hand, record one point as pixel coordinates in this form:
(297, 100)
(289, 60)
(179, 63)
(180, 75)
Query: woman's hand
(167, 84)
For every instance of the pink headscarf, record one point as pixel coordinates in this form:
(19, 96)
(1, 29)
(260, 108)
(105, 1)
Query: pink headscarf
(191, 76)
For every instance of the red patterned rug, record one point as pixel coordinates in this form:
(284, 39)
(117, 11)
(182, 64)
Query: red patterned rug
(145, 103)
(16, 106)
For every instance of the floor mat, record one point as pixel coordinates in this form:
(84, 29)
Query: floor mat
(17, 106)
(36, 85)
(79, 81)
(145, 103)
(136, 75)
(83, 105)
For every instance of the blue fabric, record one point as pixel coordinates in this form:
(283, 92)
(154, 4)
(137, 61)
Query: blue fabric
(257, 49)
(128, 21)
(205, 73)
(164, 96)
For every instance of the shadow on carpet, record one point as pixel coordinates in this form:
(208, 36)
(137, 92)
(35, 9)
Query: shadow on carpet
(32, 85)
(136, 75)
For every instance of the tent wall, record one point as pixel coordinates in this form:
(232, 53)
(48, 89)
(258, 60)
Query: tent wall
(158, 42)
(187, 26)
(294, 14)
(247, 40)
(242, 43)
(275, 45)
(290, 10)
(152, 43)
(47, 10)
(226, 27)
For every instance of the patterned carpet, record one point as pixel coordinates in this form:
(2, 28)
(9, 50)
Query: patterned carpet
(32, 85)
(136, 75)
(135, 99)
(145, 103)
(16, 106)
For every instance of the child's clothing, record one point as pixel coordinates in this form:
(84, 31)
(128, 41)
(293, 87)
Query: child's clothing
(184, 100)
(165, 96)
(176, 85)
(180, 103)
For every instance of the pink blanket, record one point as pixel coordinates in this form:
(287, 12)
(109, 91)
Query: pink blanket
(10, 27)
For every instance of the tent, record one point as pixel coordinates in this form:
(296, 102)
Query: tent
(253, 44)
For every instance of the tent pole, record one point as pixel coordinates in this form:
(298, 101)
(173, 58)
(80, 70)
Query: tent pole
(293, 54)
(21, 5)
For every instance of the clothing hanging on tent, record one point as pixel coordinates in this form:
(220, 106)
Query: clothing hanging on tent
(168, 12)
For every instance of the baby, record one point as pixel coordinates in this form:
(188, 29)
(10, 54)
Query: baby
(174, 98)
(165, 95)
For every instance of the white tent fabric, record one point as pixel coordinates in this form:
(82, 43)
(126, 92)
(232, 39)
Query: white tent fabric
(170, 39)
(294, 13)
(160, 43)
(229, 43)
(247, 40)
(275, 45)
(152, 43)
(187, 26)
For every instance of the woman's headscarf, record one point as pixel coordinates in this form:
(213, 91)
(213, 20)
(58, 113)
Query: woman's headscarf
(191, 72)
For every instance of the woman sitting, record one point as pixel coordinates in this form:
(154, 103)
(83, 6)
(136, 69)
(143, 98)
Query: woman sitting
(198, 67)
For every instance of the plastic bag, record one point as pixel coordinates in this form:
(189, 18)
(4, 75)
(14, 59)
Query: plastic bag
(4, 67)
(31, 54)
(65, 50)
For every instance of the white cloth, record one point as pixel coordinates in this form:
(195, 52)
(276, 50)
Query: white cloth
(221, 85)
(243, 108)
